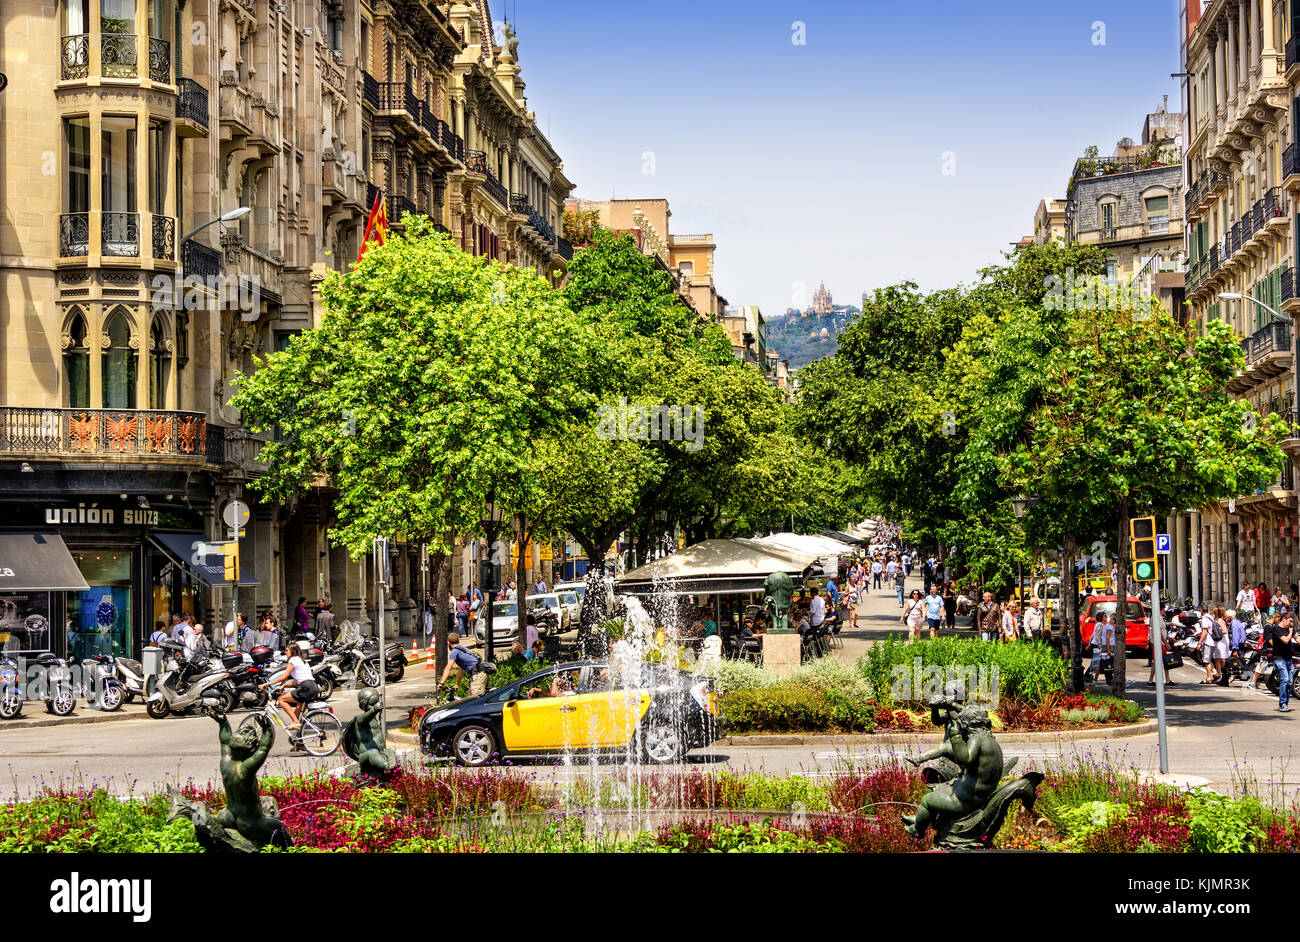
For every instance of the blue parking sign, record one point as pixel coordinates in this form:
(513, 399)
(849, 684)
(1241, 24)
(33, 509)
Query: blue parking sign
(1162, 543)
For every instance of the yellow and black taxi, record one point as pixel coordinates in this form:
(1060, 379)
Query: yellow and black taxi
(658, 712)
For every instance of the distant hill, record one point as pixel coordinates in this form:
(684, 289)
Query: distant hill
(799, 339)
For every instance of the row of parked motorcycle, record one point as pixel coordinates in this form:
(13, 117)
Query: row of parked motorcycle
(231, 679)
(1183, 626)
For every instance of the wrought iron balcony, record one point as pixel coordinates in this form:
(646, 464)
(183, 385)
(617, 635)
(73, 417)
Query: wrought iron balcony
(1288, 285)
(519, 204)
(160, 60)
(1273, 203)
(1257, 216)
(1234, 237)
(120, 234)
(164, 238)
(1292, 51)
(118, 55)
(109, 433)
(200, 261)
(1247, 226)
(1108, 234)
(1290, 159)
(76, 57)
(370, 90)
(192, 102)
(1215, 259)
(564, 249)
(476, 162)
(1271, 338)
(74, 235)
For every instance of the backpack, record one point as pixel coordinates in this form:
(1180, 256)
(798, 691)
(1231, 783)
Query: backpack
(1216, 633)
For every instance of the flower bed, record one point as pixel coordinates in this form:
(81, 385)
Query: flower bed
(831, 696)
(1082, 807)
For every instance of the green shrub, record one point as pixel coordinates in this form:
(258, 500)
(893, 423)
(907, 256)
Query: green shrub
(1222, 825)
(1121, 711)
(790, 708)
(1026, 671)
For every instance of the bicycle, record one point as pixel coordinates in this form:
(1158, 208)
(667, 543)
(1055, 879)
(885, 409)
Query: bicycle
(320, 732)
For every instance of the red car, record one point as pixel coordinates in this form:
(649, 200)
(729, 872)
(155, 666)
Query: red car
(1137, 637)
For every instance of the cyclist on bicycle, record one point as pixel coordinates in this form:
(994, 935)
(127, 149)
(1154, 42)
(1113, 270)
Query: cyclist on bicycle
(299, 685)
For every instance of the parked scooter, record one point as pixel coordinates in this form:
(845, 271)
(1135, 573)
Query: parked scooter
(11, 692)
(130, 674)
(185, 686)
(100, 684)
(56, 685)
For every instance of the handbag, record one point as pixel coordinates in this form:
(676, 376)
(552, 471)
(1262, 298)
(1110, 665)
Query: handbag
(1173, 659)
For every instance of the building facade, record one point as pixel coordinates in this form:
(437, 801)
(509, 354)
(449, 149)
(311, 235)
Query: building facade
(1241, 183)
(132, 127)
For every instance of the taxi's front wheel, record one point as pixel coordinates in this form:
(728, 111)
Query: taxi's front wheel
(661, 743)
(473, 746)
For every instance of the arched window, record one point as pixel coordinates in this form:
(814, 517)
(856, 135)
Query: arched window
(76, 363)
(119, 363)
(159, 364)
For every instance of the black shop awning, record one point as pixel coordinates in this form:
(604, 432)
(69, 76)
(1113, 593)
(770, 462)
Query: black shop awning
(37, 561)
(210, 568)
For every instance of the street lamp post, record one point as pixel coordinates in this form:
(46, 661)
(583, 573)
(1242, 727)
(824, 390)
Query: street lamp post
(231, 216)
(488, 575)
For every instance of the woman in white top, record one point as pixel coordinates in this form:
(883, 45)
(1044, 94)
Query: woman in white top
(914, 615)
(1009, 632)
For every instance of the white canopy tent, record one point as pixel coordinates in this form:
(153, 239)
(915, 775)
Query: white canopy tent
(717, 566)
(821, 545)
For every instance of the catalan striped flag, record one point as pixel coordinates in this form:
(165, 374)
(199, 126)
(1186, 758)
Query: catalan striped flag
(376, 224)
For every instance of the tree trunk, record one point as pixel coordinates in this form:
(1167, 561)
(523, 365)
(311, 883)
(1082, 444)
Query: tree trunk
(442, 585)
(594, 604)
(1121, 603)
(1070, 614)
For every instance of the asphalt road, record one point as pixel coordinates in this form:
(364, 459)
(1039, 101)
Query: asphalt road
(1215, 734)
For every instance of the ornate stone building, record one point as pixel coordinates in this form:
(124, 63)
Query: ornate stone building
(1242, 177)
(180, 175)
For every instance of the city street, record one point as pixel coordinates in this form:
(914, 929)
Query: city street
(1214, 733)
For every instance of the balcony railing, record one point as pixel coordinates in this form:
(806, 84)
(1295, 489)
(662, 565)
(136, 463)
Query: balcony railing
(405, 205)
(370, 90)
(1290, 159)
(164, 238)
(1215, 259)
(160, 60)
(192, 102)
(118, 55)
(200, 261)
(1234, 237)
(1257, 215)
(1247, 226)
(1274, 204)
(564, 249)
(1109, 234)
(519, 204)
(476, 162)
(76, 56)
(1288, 285)
(1292, 51)
(120, 235)
(1271, 338)
(89, 433)
(74, 235)
(397, 96)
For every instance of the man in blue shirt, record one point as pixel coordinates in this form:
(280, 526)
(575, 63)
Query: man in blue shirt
(460, 658)
(876, 571)
(832, 590)
(934, 610)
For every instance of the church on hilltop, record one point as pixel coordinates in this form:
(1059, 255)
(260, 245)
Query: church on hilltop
(821, 303)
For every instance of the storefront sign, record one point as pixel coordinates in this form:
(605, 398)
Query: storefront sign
(94, 515)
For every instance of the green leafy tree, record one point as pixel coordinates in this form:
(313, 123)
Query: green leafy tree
(428, 380)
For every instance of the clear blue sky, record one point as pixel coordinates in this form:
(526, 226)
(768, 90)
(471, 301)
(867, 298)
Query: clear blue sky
(824, 160)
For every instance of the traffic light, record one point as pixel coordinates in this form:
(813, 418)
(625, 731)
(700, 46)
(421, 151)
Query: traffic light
(231, 553)
(1142, 536)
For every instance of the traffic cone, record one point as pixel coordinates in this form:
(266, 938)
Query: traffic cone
(430, 662)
